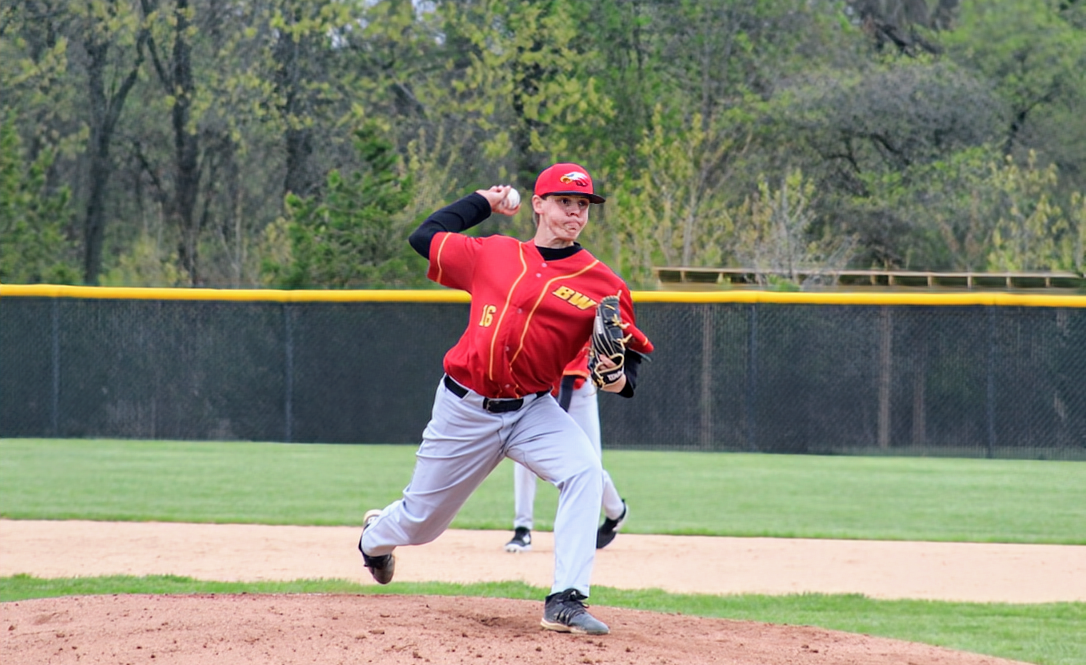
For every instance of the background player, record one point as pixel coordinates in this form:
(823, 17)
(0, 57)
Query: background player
(532, 308)
(577, 396)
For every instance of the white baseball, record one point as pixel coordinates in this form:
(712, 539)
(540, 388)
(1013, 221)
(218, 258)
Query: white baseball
(512, 199)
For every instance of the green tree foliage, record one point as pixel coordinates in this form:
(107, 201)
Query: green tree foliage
(1077, 241)
(977, 210)
(148, 262)
(875, 133)
(674, 212)
(34, 60)
(35, 82)
(777, 234)
(1034, 54)
(33, 247)
(305, 49)
(1031, 232)
(180, 126)
(943, 206)
(273, 122)
(352, 234)
(522, 83)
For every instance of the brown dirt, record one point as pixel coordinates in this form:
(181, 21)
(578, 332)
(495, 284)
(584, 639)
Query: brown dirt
(287, 629)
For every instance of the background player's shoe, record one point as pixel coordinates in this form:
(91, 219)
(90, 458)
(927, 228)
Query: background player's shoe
(381, 567)
(565, 612)
(521, 542)
(609, 529)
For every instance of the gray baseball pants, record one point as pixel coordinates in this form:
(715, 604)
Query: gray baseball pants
(463, 443)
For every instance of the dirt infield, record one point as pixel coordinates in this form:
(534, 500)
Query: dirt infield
(230, 630)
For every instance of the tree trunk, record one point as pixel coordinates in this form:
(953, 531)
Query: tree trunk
(104, 113)
(99, 169)
(186, 147)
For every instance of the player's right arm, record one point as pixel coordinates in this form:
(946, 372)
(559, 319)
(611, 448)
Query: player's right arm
(453, 218)
(458, 217)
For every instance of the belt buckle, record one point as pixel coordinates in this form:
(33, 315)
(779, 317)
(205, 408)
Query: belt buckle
(502, 405)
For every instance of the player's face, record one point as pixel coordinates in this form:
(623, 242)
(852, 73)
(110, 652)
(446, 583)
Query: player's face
(562, 217)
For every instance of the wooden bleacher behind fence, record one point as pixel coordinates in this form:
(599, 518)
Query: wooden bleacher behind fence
(750, 278)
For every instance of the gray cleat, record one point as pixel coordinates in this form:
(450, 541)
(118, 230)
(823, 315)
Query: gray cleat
(565, 612)
(381, 567)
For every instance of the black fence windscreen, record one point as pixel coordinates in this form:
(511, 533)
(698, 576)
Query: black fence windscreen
(974, 381)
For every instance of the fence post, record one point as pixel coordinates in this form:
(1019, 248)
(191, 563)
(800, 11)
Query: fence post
(886, 341)
(707, 392)
(54, 415)
(752, 378)
(288, 374)
(991, 379)
(920, 378)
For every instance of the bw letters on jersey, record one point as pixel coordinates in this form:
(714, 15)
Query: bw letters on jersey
(572, 297)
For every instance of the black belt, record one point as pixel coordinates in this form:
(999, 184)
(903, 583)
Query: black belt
(491, 405)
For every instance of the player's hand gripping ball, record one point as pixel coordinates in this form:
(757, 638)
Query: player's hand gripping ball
(512, 199)
(608, 341)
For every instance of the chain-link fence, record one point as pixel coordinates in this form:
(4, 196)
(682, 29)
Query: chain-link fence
(779, 373)
(987, 381)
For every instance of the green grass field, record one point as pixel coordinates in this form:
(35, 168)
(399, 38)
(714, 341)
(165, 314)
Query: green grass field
(721, 494)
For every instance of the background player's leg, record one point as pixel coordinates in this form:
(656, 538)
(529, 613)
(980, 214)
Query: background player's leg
(460, 447)
(584, 408)
(524, 486)
(551, 444)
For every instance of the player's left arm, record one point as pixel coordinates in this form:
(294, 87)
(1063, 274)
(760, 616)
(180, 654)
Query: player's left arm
(637, 349)
(632, 363)
(638, 341)
(627, 384)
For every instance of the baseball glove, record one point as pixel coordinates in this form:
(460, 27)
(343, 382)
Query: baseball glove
(608, 341)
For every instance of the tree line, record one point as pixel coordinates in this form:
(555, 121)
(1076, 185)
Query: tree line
(295, 143)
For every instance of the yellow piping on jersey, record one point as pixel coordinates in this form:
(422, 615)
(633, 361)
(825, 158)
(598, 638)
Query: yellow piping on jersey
(440, 248)
(543, 294)
(505, 308)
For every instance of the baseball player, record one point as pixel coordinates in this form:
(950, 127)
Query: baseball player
(577, 396)
(532, 308)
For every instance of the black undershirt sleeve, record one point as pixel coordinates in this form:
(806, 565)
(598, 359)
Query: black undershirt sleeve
(454, 218)
(631, 364)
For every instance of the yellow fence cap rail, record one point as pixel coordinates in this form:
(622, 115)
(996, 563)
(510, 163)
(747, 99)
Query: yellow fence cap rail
(971, 298)
(242, 295)
(976, 298)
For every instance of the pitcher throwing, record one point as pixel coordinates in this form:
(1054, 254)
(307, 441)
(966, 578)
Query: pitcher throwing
(533, 305)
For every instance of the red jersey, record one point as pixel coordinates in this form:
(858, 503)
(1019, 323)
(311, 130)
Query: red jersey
(579, 365)
(529, 316)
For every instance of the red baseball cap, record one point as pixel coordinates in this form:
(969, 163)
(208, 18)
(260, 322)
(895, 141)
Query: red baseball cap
(566, 178)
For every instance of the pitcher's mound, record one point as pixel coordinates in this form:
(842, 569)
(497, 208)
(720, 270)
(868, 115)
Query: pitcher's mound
(289, 629)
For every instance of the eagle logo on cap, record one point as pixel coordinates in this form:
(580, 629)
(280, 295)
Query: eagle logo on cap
(576, 177)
